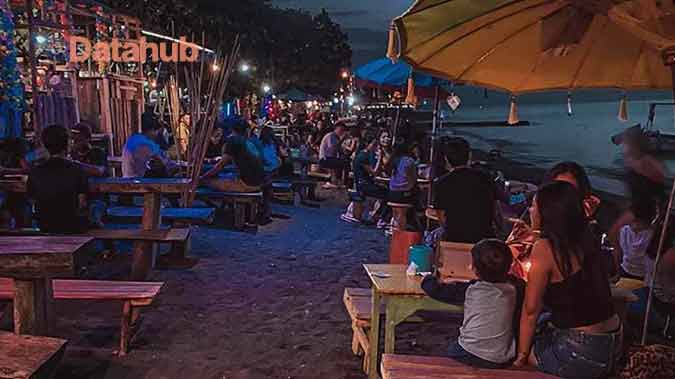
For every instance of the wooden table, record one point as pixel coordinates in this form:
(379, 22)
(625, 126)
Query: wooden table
(29, 357)
(32, 262)
(152, 191)
(420, 182)
(15, 184)
(404, 296)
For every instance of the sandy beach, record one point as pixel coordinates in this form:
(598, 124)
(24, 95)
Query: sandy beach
(265, 305)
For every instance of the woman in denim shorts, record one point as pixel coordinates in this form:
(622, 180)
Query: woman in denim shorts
(582, 337)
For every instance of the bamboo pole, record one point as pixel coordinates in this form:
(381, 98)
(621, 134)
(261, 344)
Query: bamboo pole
(206, 89)
(669, 61)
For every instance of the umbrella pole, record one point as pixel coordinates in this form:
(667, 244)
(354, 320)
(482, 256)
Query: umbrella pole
(396, 119)
(666, 221)
(432, 150)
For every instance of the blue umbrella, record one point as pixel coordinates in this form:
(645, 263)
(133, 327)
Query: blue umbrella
(384, 73)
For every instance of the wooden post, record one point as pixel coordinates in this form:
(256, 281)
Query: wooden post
(32, 305)
(33, 69)
(145, 252)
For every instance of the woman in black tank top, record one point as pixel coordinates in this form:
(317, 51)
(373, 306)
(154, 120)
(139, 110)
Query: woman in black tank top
(569, 277)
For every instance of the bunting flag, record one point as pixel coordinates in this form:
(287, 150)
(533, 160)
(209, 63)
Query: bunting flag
(513, 113)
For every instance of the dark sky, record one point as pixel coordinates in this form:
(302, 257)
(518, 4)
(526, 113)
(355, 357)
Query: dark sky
(365, 21)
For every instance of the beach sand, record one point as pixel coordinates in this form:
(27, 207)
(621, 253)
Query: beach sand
(265, 305)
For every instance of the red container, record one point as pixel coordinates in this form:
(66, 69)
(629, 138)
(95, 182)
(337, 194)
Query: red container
(401, 241)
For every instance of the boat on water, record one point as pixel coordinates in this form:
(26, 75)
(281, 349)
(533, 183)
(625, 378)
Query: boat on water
(658, 142)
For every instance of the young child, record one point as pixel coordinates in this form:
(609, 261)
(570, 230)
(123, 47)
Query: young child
(634, 239)
(491, 307)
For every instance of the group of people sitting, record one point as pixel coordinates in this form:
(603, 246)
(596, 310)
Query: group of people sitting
(58, 172)
(542, 297)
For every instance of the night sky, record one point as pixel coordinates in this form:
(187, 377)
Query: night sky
(365, 21)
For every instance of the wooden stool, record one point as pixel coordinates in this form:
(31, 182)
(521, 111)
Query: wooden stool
(400, 211)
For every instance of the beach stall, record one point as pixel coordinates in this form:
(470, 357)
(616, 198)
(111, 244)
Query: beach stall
(111, 95)
(41, 31)
(541, 45)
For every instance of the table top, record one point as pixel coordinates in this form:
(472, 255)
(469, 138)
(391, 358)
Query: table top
(114, 185)
(398, 283)
(420, 181)
(42, 245)
(39, 257)
(139, 185)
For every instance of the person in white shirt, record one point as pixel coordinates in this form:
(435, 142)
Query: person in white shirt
(141, 152)
(330, 156)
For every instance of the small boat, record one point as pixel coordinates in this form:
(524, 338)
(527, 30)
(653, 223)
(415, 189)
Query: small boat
(658, 142)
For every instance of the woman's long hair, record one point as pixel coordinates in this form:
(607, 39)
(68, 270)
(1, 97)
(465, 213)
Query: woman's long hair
(576, 170)
(564, 224)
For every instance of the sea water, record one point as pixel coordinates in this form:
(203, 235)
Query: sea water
(554, 136)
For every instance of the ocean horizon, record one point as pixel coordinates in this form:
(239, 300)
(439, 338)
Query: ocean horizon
(554, 136)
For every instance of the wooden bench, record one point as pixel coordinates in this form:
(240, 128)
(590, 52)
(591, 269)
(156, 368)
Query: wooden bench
(183, 216)
(244, 204)
(134, 296)
(416, 367)
(358, 303)
(283, 191)
(29, 357)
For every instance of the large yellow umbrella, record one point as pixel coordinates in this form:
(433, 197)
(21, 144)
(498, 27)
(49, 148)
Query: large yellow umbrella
(525, 46)
(522, 46)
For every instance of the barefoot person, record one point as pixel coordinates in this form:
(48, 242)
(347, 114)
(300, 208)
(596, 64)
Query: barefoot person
(568, 276)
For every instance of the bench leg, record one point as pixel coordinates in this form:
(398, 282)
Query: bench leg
(239, 210)
(356, 345)
(254, 215)
(125, 334)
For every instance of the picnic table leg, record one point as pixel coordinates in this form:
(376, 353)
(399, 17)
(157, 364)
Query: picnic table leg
(32, 306)
(374, 335)
(144, 252)
(398, 310)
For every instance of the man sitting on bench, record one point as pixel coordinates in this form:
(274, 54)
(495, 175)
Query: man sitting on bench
(58, 186)
(142, 155)
(248, 175)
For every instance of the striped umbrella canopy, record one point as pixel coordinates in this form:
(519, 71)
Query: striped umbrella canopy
(522, 46)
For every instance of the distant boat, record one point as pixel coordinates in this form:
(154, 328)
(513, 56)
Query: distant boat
(658, 142)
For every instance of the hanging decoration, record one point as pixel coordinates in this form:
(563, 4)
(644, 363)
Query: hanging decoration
(454, 102)
(392, 47)
(570, 112)
(623, 109)
(11, 87)
(513, 113)
(410, 97)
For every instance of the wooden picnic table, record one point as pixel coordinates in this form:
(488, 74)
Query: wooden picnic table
(420, 181)
(32, 262)
(152, 191)
(403, 296)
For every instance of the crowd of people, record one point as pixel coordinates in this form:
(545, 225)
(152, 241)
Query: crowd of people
(542, 295)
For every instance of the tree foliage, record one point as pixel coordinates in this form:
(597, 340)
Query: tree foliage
(287, 47)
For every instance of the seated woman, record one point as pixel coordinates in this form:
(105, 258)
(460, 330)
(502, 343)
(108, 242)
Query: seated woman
(575, 174)
(584, 338)
(366, 167)
(249, 174)
(403, 183)
(523, 236)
